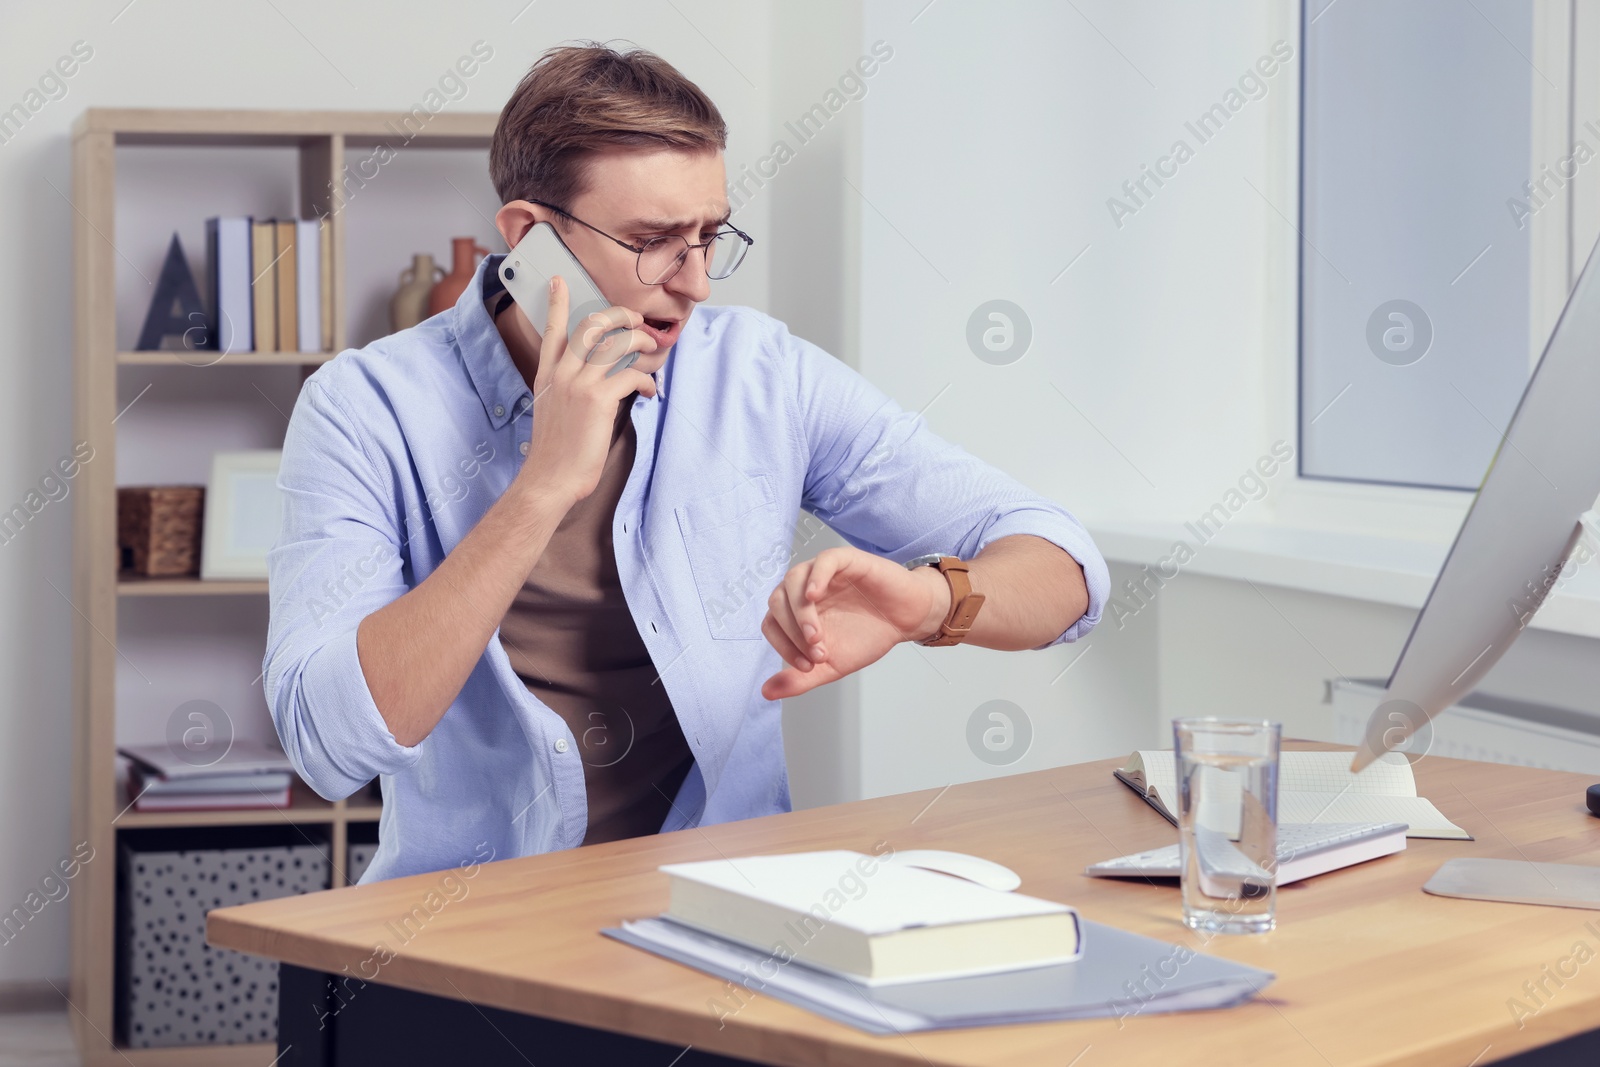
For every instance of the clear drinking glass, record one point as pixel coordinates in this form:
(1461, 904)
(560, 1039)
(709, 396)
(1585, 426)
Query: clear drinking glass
(1227, 822)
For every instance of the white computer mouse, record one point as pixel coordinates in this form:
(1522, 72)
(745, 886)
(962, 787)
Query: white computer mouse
(973, 868)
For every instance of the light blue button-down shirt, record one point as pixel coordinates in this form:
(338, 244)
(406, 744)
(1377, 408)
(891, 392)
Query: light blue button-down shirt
(396, 450)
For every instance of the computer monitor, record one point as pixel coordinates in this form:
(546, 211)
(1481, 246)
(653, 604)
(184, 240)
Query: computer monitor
(1517, 536)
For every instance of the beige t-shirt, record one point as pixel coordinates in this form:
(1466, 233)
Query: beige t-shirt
(574, 644)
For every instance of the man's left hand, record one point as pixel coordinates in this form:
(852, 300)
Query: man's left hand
(835, 614)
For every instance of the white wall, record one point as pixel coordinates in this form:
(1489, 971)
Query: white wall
(990, 151)
(992, 144)
(815, 248)
(189, 53)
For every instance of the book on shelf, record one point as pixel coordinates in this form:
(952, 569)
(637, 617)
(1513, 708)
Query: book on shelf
(228, 272)
(1313, 787)
(271, 283)
(868, 919)
(288, 285)
(245, 775)
(325, 288)
(239, 757)
(264, 284)
(213, 793)
(308, 275)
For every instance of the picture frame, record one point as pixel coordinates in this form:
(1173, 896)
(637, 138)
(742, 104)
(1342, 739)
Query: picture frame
(243, 512)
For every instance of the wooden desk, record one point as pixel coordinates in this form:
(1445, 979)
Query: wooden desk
(1371, 970)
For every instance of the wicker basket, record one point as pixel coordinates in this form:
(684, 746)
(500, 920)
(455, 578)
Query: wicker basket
(158, 529)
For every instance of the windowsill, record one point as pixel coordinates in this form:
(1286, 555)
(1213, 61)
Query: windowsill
(1383, 570)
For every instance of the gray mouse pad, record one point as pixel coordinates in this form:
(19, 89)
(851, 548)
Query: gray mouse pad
(1561, 885)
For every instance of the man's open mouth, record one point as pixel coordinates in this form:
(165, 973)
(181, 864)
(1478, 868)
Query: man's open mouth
(664, 332)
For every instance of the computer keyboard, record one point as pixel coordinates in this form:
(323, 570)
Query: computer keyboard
(1296, 842)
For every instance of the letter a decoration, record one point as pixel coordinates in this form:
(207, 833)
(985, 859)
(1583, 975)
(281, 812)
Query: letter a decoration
(176, 307)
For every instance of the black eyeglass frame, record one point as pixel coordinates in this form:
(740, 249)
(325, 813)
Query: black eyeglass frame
(683, 257)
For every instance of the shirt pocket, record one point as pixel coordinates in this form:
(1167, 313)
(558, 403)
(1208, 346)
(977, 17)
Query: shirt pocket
(738, 549)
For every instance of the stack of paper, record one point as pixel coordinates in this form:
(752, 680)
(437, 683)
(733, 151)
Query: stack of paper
(246, 775)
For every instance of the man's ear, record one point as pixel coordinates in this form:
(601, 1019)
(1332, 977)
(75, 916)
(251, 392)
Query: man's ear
(516, 217)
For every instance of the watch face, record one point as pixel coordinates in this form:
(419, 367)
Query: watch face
(925, 561)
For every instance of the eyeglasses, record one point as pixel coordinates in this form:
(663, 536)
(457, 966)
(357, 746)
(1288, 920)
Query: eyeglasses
(662, 257)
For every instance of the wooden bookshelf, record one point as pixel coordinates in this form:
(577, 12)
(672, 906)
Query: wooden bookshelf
(100, 805)
(202, 360)
(189, 587)
(252, 1055)
(304, 807)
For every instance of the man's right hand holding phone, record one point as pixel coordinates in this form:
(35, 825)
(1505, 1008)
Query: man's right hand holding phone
(417, 651)
(577, 389)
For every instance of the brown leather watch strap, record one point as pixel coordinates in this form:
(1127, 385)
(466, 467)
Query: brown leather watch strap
(964, 604)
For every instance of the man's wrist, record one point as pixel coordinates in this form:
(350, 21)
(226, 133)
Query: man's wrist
(536, 487)
(939, 602)
(538, 503)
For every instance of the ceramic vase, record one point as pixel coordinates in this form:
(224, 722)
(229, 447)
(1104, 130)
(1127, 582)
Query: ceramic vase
(465, 253)
(409, 305)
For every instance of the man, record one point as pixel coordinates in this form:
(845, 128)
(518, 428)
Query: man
(543, 604)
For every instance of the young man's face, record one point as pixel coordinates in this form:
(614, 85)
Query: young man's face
(635, 195)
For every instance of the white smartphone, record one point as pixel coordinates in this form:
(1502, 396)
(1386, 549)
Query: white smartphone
(526, 272)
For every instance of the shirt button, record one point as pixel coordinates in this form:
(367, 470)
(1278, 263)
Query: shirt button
(499, 410)
(561, 744)
(523, 448)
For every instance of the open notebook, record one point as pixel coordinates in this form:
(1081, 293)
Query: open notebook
(1313, 787)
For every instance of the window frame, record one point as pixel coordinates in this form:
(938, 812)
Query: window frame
(1566, 50)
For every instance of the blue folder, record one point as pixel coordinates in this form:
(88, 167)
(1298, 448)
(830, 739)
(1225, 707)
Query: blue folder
(1120, 974)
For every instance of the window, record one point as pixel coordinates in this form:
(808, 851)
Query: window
(1421, 195)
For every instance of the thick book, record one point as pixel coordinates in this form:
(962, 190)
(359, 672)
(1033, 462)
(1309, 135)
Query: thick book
(1313, 787)
(228, 272)
(870, 920)
(1119, 975)
(308, 278)
(264, 284)
(287, 286)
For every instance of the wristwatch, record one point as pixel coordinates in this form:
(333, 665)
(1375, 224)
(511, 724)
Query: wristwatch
(964, 603)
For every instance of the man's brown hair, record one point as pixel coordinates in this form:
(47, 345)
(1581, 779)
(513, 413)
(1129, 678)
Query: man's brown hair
(580, 99)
